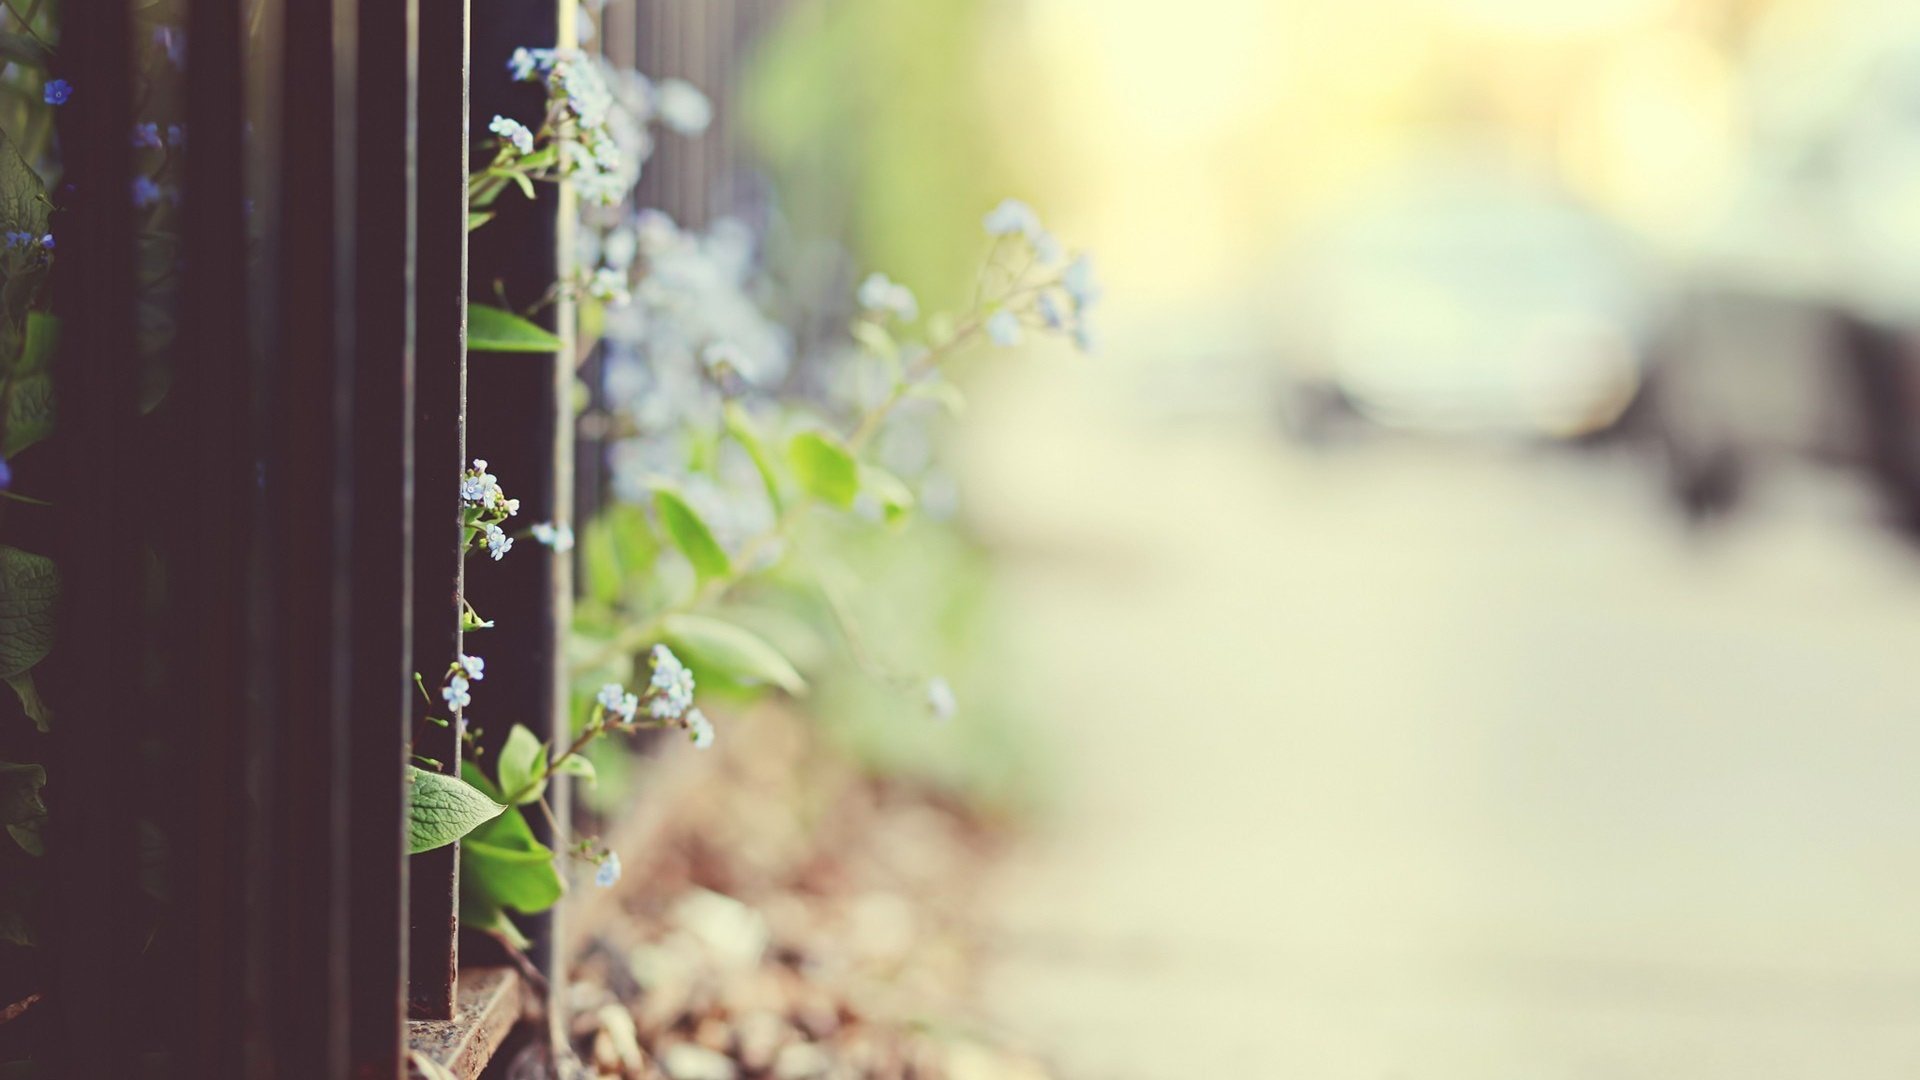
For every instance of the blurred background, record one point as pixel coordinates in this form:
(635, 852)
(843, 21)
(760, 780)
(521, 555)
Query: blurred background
(1462, 624)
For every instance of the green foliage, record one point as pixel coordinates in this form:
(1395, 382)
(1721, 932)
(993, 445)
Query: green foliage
(691, 535)
(523, 766)
(29, 587)
(712, 646)
(442, 809)
(895, 497)
(741, 427)
(23, 197)
(490, 329)
(21, 810)
(824, 467)
(502, 864)
(30, 700)
(26, 395)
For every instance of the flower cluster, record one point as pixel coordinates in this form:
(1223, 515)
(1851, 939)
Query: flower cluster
(667, 700)
(594, 133)
(1048, 290)
(884, 297)
(20, 239)
(484, 506)
(461, 674)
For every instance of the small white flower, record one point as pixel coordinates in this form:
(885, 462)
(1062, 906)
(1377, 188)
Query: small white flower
(511, 506)
(609, 696)
(609, 285)
(1004, 329)
(699, 729)
(498, 542)
(682, 107)
(1077, 279)
(940, 699)
(474, 666)
(455, 693)
(559, 536)
(515, 132)
(629, 704)
(670, 693)
(882, 294)
(521, 64)
(619, 248)
(1012, 217)
(609, 871)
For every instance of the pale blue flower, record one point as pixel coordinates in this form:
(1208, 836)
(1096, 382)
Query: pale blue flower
(147, 135)
(455, 693)
(609, 696)
(882, 294)
(145, 192)
(524, 62)
(1045, 248)
(699, 729)
(940, 700)
(514, 132)
(609, 871)
(1078, 280)
(6, 475)
(609, 285)
(1050, 312)
(670, 693)
(474, 667)
(1084, 338)
(57, 92)
(558, 536)
(682, 107)
(1012, 217)
(46, 242)
(1004, 329)
(498, 542)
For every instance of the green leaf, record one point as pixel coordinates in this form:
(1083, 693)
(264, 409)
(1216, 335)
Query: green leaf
(26, 412)
(442, 809)
(23, 197)
(22, 49)
(691, 535)
(30, 700)
(895, 497)
(476, 220)
(741, 427)
(523, 766)
(825, 468)
(21, 810)
(502, 863)
(43, 337)
(481, 912)
(875, 339)
(489, 329)
(734, 650)
(577, 766)
(29, 585)
(526, 185)
(941, 391)
(633, 539)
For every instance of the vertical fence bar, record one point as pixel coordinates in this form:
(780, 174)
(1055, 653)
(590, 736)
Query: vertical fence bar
(309, 509)
(515, 407)
(439, 457)
(92, 801)
(381, 693)
(210, 550)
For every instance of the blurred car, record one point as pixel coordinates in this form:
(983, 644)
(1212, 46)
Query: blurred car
(1462, 297)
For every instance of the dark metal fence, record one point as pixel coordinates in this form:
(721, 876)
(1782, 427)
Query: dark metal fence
(255, 566)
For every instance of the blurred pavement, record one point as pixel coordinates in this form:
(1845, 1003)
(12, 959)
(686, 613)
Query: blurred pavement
(1434, 760)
